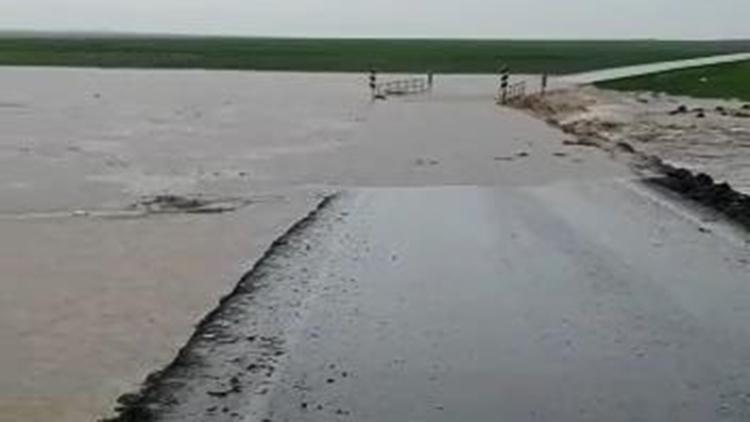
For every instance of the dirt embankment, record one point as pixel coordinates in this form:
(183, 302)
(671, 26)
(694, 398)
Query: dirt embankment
(681, 144)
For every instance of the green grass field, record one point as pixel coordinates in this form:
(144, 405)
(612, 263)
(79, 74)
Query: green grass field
(347, 55)
(730, 80)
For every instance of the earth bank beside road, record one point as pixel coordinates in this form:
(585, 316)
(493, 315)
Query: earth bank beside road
(696, 147)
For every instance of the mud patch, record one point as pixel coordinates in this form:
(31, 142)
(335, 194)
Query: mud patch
(702, 188)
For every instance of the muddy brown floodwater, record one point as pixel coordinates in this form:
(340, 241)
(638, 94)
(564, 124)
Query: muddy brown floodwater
(108, 262)
(130, 201)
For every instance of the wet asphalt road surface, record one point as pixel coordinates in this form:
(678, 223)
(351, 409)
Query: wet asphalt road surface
(601, 301)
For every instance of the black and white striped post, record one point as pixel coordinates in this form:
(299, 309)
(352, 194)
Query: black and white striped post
(504, 82)
(373, 82)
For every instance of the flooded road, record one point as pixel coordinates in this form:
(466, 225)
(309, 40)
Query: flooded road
(564, 302)
(105, 273)
(98, 290)
(475, 267)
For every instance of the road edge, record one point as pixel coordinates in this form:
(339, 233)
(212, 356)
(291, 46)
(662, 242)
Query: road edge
(154, 397)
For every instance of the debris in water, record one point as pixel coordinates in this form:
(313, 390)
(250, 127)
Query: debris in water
(626, 147)
(584, 142)
(221, 393)
(682, 109)
(426, 162)
(170, 204)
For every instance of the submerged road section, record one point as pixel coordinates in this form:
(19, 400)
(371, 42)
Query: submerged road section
(565, 302)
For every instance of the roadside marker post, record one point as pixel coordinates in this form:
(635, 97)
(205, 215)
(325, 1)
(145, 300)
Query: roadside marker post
(504, 82)
(430, 79)
(545, 80)
(373, 82)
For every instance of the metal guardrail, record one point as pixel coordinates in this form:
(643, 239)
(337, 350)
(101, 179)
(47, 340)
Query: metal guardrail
(512, 93)
(403, 87)
(516, 91)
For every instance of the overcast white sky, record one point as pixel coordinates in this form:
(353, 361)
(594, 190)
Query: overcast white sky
(391, 18)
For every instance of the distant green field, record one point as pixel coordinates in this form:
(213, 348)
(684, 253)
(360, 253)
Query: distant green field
(348, 55)
(731, 80)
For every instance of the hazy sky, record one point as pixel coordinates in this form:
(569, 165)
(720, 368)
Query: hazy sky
(391, 18)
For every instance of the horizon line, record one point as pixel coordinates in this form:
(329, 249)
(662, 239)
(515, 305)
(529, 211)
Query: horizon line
(7, 33)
